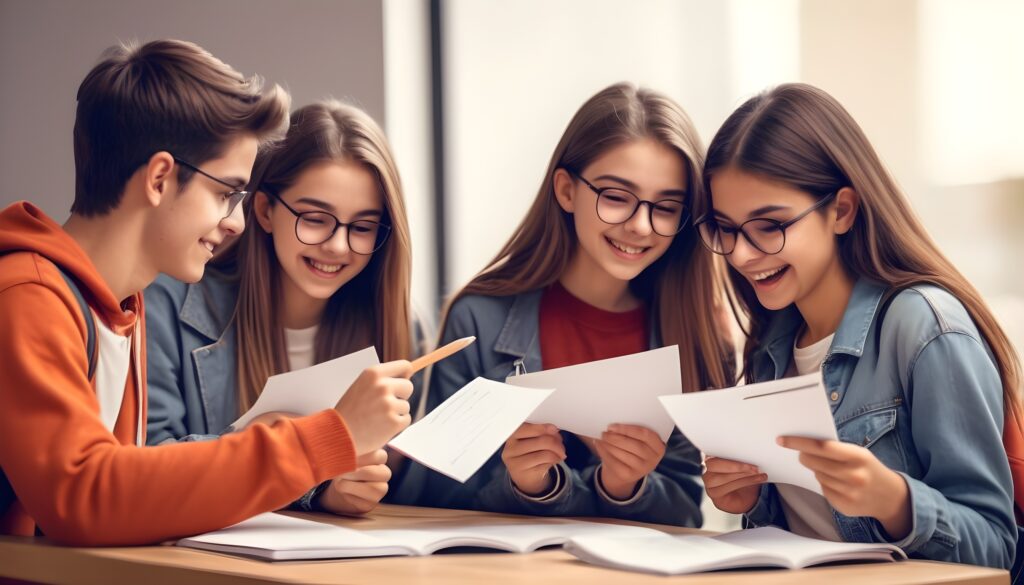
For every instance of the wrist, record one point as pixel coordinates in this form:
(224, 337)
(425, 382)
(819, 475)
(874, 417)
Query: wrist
(537, 488)
(619, 489)
(897, 518)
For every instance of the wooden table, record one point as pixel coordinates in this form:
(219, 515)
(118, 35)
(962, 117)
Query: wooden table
(34, 559)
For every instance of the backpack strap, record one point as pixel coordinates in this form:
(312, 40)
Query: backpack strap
(90, 325)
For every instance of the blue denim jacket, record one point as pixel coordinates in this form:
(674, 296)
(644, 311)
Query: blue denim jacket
(191, 365)
(918, 387)
(506, 329)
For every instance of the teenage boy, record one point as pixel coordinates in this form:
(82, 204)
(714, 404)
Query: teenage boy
(165, 138)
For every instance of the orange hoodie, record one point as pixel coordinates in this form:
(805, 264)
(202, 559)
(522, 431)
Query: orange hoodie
(82, 484)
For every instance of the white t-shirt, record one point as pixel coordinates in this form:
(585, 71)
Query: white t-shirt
(807, 513)
(299, 343)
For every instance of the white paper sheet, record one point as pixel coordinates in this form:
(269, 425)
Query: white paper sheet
(461, 434)
(742, 424)
(589, 397)
(312, 389)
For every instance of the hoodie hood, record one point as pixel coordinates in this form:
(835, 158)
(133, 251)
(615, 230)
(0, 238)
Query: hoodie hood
(25, 228)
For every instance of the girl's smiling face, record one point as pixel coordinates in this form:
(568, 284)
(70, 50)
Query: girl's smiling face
(313, 272)
(810, 253)
(650, 171)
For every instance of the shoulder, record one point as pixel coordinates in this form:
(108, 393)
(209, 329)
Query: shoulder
(927, 311)
(26, 267)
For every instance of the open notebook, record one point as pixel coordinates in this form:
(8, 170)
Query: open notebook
(277, 537)
(666, 554)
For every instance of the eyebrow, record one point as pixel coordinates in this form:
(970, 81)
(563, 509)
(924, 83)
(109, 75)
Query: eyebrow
(330, 208)
(634, 187)
(755, 213)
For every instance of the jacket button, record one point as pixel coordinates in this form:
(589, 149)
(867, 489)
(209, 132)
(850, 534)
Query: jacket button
(834, 396)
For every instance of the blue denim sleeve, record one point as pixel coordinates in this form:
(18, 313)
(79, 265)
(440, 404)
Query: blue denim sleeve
(165, 418)
(767, 511)
(671, 493)
(962, 506)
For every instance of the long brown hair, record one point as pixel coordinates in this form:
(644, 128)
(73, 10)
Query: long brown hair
(801, 136)
(679, 288)
(372, 308)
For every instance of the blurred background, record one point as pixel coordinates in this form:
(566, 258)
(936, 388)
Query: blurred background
(474, 95)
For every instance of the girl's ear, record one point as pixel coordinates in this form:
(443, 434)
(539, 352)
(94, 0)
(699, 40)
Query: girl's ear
(847, 205)
(565, 190)
(262, 206)
(159, 177)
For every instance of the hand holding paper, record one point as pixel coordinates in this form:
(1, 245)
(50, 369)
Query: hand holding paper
(589, 397)
(458, 436)
(743, 423)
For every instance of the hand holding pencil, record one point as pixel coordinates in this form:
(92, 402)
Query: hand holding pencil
(376, 407)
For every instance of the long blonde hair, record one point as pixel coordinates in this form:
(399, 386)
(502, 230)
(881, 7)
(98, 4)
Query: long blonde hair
(371, 309)
(679, 288)
(801, 136)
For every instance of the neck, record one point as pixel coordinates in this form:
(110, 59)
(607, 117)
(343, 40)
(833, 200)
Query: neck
(823, 308)
(115, 243)
(300, 310)
(593, 285)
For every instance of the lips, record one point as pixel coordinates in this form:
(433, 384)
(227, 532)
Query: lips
(766, 277)
(323, 268)
(626, 248)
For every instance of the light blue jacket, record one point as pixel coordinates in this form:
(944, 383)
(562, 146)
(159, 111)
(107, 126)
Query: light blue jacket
(506, 329)
(919, 388)
(191, 364)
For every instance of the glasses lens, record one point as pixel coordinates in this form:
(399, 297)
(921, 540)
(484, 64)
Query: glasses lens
(715, 238)
(235, 198)
(766, 234)
(314, 227)
(365, 237)
(614, 206)
(667, 217)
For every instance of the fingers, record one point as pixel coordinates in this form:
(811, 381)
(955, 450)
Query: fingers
(378, 457)
(642, 447)
(609, 453)
(835, 450)
(638, 433)
(538, 459)
(369, 473)
(545, 442)
(395, 369)
(718, 465)
(728, 487)
(527, 430)
(714, 480)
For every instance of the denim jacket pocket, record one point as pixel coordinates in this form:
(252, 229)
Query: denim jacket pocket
(866, 429)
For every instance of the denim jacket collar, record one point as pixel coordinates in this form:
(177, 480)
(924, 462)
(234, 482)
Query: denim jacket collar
(208, 306)
(520, 334)
(850, 337)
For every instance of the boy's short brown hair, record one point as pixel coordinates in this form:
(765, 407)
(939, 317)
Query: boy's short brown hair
(165, 95)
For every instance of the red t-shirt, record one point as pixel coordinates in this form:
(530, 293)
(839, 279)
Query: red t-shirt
(573, 332)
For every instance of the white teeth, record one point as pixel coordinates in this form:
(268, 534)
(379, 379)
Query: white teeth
(325, 267)
(625, 248)
(768, 274)
(209, 245)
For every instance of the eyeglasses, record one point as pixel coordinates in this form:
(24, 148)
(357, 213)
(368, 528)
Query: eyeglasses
(767, 235)
(616, 205)
(233, 197)
(316, 227)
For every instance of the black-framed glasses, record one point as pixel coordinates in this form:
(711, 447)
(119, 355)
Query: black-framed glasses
(312, 228)
(616, 205)
(767, 235)
(234, 197)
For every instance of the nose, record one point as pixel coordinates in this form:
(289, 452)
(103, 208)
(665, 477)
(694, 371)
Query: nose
(234, 223)
(338, 243)
(640, 223)
(744, 252)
